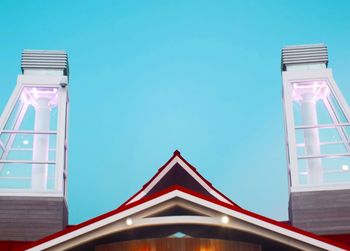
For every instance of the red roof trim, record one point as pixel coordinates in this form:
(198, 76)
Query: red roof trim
(204, 179)
(190, 192)
(102, 216)
(342, 238)
(178, 154)
(294, 229)
(11, 245)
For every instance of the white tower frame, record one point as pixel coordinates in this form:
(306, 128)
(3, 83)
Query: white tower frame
(308, 64)
(41, 69)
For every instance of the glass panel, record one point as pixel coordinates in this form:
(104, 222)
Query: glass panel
(301, 151)
(22, 146)
(334, 170)
(337, 110)
(32, 99)
(297, 113)
(323, 116)
(321, 133)
(53, 118)
(328, 149)
(29, 141)
(347, 132)
(19, 176)
(51, 179)
(329, 134)
(28, 120)
(313, 112)
(323, 141)
(14, 115)
(315, 97)
(52, 141)
(299, 137)
(4, 139)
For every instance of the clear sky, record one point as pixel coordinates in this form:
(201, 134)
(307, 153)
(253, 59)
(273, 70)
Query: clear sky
(149, 77)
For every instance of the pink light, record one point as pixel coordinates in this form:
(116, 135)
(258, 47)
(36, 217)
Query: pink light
(318, 90)
(31, 95)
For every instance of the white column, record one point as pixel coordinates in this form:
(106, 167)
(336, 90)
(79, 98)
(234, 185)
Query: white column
(41, 144)
(312, 139)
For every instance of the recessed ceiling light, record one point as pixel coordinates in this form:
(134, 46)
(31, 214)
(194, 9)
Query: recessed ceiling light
(129, 221)
(345, 167)
(224, 219)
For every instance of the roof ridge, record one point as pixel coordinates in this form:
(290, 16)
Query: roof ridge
(162, 172)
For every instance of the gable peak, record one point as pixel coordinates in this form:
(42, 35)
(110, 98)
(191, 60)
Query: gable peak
(177, 153)
(178, 172)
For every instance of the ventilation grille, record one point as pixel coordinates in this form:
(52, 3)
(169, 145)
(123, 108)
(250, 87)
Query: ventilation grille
(303, 54)
(37, 59)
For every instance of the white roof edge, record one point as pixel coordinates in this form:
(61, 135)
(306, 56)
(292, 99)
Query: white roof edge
(189, 170)
(176, 193)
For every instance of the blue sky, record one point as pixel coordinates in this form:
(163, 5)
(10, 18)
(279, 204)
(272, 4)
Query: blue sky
(149, 77)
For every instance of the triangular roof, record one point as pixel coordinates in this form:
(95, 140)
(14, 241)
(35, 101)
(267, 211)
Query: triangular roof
(177, 171)
(194, 192)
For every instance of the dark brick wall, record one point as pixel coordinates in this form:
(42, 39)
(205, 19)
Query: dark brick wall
(31, 218)
(321, 212)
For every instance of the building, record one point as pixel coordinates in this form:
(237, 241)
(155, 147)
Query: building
(177, 209)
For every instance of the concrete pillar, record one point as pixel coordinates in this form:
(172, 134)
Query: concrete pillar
(41, 144)
(312, 139)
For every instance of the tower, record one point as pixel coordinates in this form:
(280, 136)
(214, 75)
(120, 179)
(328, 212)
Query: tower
(317, 139)
(33, 149)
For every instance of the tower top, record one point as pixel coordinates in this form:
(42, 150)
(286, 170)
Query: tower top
(304, 54)
(45, 60)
